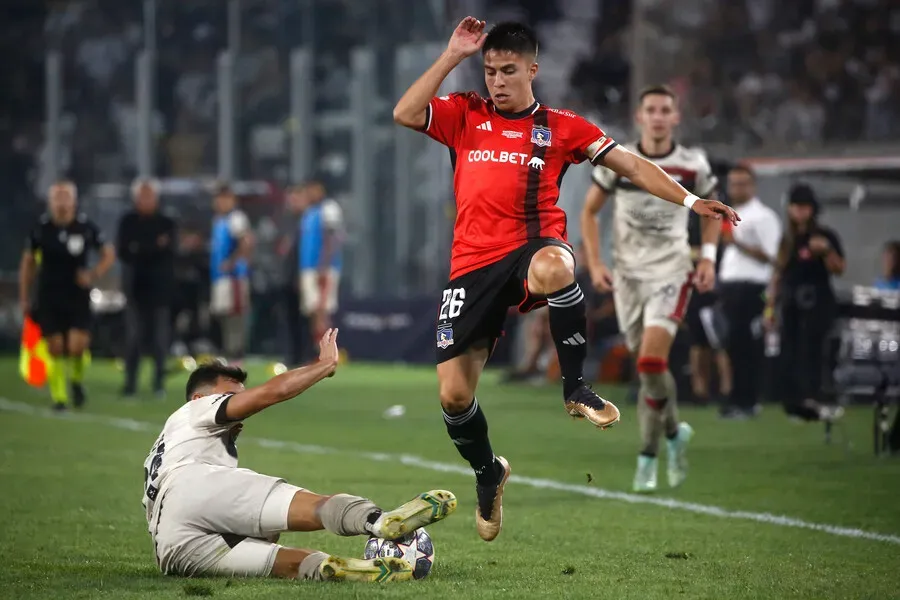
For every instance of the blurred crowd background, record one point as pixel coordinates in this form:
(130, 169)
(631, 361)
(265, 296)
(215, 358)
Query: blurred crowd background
(269, 93)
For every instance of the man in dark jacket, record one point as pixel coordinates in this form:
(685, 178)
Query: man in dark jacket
(145, 245)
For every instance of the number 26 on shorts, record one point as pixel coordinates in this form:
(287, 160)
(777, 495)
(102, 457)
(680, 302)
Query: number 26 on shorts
(452, 303)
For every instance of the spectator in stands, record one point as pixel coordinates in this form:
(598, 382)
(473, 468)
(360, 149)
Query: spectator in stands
(809, 256)
(890, 267)
(746, 269)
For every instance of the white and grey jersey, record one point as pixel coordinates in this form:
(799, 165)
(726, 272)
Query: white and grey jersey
(650, 235)
(196, 433)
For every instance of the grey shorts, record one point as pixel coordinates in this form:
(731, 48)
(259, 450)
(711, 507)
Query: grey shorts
(209, 521)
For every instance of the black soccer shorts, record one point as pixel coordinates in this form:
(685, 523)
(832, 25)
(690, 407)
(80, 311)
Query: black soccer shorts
(59, 313)
(705, 332)
(474, 306)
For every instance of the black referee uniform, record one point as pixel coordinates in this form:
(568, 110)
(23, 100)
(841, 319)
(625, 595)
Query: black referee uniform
(61, 304)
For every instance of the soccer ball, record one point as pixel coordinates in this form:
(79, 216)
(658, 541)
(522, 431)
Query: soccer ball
(416, 547)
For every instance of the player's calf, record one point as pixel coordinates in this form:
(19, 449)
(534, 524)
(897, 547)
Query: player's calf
(658, 391)
(78, 342)
(552, 273)
(347, 515)
(466, 423)
(56, 372)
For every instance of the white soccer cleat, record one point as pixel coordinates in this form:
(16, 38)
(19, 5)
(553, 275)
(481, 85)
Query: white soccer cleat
(677, 455)
(645, 476)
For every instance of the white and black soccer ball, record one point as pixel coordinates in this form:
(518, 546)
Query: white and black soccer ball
(416, 547)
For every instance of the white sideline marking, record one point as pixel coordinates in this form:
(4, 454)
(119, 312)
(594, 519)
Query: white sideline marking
(415, 461)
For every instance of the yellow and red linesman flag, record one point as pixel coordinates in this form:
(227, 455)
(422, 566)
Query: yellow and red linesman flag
(34, 359)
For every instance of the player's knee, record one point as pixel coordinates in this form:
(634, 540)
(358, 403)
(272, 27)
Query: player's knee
(551, 270)
(652, 374)
(456, 396)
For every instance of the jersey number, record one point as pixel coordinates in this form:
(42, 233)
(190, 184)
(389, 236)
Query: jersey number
(452, 303)
(151, 470)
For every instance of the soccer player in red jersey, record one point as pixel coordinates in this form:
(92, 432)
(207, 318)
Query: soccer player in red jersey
(509, 154)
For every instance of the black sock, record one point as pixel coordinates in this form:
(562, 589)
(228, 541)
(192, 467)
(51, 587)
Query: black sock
(568, 325)
(469, 432)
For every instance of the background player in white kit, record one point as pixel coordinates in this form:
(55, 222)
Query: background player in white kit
(653, 272)
(208, 517)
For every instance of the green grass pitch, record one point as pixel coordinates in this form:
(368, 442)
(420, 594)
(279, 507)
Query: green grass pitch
(73, 527)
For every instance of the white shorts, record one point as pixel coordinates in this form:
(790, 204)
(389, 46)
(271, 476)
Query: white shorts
(219, 521)
(315, 290)
(229, 296)
(653, 303)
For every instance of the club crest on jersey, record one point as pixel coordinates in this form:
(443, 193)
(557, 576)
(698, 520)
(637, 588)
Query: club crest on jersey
(75, 244)
(444, 336)
(540, 135)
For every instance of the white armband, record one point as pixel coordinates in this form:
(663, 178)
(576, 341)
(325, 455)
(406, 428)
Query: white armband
(689, 200)
(709, 252)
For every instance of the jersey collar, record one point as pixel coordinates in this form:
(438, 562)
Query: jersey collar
(658, 156)
(518, 115)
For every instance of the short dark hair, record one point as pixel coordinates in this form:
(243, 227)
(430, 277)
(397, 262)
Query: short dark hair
(657, 90)
(743, 168)
(208, 374)
(511, 37)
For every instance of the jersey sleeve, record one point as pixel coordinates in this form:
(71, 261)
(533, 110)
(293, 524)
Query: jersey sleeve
(332, 215)
(707, 182)
(587, 141)
(445, 118)
(208, 412)
(33, 241)
(238, 224)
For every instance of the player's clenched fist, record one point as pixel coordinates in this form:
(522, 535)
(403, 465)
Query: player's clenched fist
(467, 38)
(328, 350)
(713, 209)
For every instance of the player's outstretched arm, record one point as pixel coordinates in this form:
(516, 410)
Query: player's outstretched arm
(648, 176)
(287, 385)
(467, 39)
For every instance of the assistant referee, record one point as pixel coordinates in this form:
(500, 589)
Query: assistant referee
(58, 251)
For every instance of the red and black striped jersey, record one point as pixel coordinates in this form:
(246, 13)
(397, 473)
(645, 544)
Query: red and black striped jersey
(507, 170)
